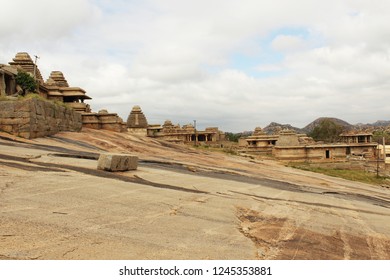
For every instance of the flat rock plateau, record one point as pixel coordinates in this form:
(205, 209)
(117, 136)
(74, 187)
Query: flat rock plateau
(181, 203)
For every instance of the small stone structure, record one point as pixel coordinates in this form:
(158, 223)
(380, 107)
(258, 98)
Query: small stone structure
(136, 122)
(290, 146)
(186, 134)
(104, 120)
(7, 80)
(22, 60)
(57, 88)
(356, 137)
(32, 118)
(259, 142)
(117, 162)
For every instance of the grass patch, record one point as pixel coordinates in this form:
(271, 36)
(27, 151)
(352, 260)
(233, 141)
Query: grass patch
(39, 97)
(31, 96)
(4, 98)
(60, 103)
(352, 175)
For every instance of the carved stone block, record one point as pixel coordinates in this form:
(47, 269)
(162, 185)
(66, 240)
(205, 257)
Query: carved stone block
(117, 162)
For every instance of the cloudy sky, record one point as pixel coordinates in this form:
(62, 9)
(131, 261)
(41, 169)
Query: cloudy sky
(227, 63)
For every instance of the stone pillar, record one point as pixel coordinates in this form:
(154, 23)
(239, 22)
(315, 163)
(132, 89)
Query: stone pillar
(2, 84)
(12, 86)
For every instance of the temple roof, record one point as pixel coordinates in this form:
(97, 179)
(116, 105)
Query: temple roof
(136, 118)
(258, 131)
(136, 108)
(75, 92)
(58, 78)
(24, 61)
(58, 85)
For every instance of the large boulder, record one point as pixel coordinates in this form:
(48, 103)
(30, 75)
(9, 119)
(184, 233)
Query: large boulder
(117, 162)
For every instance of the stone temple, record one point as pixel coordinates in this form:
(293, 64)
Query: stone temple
(136, 119)
(290, 146)
(56, 88)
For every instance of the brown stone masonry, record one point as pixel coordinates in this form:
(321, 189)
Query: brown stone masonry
(34, 118)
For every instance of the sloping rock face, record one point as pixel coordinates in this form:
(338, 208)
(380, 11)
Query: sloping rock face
(33, 118)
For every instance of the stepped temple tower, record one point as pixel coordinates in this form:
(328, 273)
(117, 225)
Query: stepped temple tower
(23, 60)
(136, 122)
(137, 118)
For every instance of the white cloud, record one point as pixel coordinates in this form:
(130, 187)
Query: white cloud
(173, 57)
(39, 19)
(288, 43)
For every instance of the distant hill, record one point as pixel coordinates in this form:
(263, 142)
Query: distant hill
(381, 123)
(373, 125)
(274, 128)
(309, 128)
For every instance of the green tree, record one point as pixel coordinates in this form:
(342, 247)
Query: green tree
(233, 137)
(378, 136)
(27, 82)
(327, 131)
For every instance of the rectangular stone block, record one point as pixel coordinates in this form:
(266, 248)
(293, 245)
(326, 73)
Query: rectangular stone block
(117, 162)
(25, 135)
(23, 106)
(6, 128)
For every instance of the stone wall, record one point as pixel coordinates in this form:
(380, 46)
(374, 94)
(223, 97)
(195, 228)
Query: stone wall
(103, 120)
(138, 131)
(322, 153)
(293, 153)
(34, 118)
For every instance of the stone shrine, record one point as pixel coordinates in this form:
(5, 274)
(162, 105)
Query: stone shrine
(136, 122)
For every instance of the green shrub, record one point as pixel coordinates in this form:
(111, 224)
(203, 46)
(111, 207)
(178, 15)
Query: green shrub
(26, 82)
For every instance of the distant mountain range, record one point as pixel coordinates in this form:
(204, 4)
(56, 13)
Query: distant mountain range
(274, 128)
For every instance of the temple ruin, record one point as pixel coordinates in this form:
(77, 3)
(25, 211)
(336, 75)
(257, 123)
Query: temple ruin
(103, 120)
(57, 89)
(136, 122)
(36, 119)
(186, 134)
(7, 80)
(259, 142)
(290, 146)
